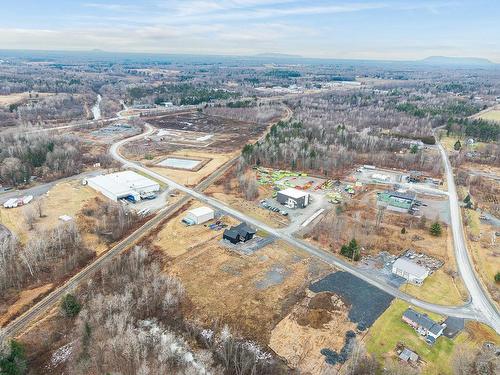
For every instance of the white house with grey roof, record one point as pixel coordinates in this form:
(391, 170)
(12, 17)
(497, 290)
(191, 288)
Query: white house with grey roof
(410, 270)
(424, 325)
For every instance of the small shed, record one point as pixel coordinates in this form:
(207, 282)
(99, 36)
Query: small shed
(199, 215)
(408, 356)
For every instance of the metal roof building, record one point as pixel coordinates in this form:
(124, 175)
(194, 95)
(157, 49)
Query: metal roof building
(124, 184)
(199, 215)
(411, 271)
(396, 201)
(293, 198)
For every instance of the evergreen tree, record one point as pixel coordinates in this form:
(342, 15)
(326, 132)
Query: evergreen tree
(436, 229)
(13, 361)
(70, 306)
(457, 146)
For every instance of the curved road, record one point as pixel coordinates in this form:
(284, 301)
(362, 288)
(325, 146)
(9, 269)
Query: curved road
(467, 311)
(480, 300)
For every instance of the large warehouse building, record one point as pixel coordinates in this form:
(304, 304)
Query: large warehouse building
(411, 271)
(293, 198)
(396, 201)
(124, 185)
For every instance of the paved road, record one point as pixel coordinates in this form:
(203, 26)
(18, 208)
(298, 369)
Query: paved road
(465, 311)
(35, 312)
(480, 300)
(43, 188)
(17, 326)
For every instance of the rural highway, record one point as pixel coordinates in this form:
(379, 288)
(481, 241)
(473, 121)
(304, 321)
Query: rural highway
(467, 311)
(480, 299)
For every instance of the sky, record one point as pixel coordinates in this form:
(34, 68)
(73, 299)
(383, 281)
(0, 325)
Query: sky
(359, 29)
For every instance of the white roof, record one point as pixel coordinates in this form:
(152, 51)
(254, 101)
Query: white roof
(410, 267)
(200, 211)
(294, 193)
(121, 182)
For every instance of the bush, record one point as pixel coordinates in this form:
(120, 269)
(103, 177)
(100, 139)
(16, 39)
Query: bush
(70, 306)
(436, 229)
(497, 277)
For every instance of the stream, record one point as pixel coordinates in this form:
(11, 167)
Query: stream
(96, 109)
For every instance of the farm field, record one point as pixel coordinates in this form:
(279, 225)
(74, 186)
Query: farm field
(490, 114)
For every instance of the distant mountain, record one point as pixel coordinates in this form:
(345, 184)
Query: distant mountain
(445, 60)
(278, 55)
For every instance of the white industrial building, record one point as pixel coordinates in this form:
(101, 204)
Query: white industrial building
(293, 198)
(411, 271)
(124, 185)
(199, 215)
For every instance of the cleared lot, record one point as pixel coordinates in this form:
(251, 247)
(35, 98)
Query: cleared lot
(252, 293)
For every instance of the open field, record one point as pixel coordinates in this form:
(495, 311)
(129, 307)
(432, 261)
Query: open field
(226, 135)
(66, 198)
(251, 293)
(448, 143)
(389, 330)
(317, 322)
(485, 249)
(6, 100)
(491, 114)
(176, 238)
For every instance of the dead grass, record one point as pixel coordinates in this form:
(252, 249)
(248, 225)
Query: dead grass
(24, 300)
(491, 114)
(65, 198)
(176, 238)
(222, 284)
(310, 327)
(227, 190)
(191, 178)
(485, 252)
(6, 100)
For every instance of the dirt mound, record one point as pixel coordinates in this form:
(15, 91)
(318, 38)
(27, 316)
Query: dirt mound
(326, 301)
(315, 318)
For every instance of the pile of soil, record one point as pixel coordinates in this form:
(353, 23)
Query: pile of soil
(315, 318)
(327, 301)
(318, 310)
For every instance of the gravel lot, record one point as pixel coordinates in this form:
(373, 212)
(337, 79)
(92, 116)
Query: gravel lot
(367, 302)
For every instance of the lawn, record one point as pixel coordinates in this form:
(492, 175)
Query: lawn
(389, 330)
(438, 288)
